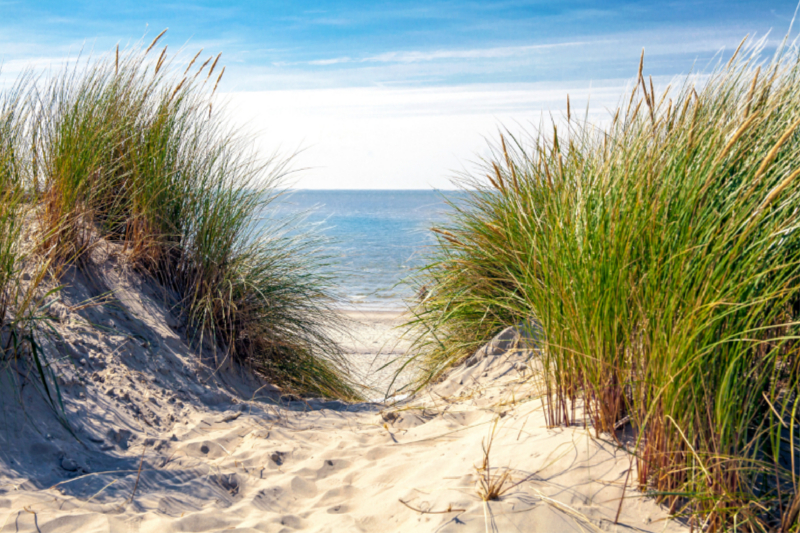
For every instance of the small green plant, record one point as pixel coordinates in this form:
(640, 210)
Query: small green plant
(659, 261)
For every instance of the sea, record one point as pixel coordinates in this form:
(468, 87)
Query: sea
(376, 238)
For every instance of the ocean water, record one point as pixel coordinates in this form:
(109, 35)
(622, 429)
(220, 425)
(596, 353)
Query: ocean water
(377, 238)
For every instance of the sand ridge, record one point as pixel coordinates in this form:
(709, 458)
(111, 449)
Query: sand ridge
(162, 440)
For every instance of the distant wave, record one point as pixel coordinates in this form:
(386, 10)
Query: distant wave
(377, 237)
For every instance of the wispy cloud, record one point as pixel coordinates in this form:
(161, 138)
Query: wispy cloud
(418, 56)
(332, 61)
(478, 53)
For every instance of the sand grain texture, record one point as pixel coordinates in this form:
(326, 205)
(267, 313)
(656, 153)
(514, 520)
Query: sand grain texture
(220, 450)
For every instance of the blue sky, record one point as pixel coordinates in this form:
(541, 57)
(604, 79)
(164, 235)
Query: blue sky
(279, 45)
(399, 59)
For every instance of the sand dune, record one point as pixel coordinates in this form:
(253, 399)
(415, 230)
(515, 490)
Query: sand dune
(160, 440)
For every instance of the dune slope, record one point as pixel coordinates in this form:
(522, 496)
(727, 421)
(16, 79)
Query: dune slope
(162, 438)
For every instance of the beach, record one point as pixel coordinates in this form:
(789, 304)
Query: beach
(160, 440)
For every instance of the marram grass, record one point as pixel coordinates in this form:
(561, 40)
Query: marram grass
(11, 196)
(133, 149)
(21, 315)
(659, 260)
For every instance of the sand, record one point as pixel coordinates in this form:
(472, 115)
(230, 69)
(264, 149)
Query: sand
(373, 342)
(159, 439)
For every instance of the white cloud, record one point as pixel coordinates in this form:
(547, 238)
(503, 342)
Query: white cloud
(333, 61)
(478, 53)
(416, 56)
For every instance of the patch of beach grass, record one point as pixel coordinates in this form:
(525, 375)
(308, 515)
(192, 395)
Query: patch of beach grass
(11, 196)
(658, 261)
(133, 148)
(22, 308)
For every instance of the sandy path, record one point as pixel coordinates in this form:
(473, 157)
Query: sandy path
(159, 442)
(328, 467)
(373, 344)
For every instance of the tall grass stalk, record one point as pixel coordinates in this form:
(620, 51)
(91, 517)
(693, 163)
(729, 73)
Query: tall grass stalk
(659, 260)
(11, 194)
(128, 148)
(21, 314)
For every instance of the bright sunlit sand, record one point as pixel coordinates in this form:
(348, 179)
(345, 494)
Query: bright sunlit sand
(164, 442)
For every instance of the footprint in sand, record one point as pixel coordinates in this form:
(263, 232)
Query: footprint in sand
(278, 458)
(291, 521)
(269, 500)
(335, 497)
(228, 482)
(377, 453)
(303, 488)
(205, 449)
(329, 467)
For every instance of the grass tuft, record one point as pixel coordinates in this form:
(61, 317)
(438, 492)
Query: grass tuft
(492, 486)
(126, 148)
(659, 261)
(11, 196)
(22, 316)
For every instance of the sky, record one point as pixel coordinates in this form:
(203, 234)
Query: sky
(400, 95)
